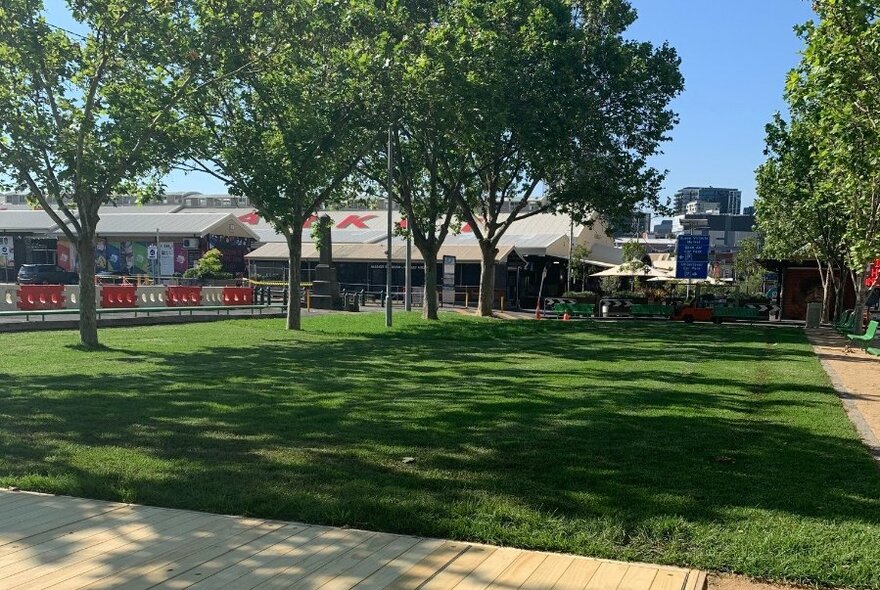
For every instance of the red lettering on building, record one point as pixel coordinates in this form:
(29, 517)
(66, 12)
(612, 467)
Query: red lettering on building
(312, 219)
(250, 218)
(355, 220)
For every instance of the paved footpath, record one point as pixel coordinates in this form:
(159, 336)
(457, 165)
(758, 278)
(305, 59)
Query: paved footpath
(856, 377)
(62, 542)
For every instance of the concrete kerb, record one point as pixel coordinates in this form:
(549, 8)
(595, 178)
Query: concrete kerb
(848, 400)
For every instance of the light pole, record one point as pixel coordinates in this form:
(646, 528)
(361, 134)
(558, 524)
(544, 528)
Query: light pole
(390, 153)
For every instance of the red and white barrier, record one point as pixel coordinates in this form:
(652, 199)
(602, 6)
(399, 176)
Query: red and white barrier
(118, 296)
(212, 295)
(38, 297)
(8, 297)
(42, 297)
(238, 296)
(181, 296)
(71, 296)
(151, 296)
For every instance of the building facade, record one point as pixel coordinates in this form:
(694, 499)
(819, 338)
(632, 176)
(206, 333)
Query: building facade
(729, 200)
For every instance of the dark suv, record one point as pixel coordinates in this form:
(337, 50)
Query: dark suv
(45, 274)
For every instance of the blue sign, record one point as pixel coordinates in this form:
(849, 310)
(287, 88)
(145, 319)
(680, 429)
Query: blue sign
(692, 256)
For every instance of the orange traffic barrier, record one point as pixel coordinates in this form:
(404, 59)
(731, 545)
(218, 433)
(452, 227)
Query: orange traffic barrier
(238, 296)
(40, 297)
(183, 296)
(118, 296)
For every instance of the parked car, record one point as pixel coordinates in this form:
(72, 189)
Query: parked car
(46, 274)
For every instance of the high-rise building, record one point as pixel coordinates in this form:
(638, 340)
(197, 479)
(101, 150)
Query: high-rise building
(729, 200)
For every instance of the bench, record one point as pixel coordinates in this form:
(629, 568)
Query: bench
(650, 310)
(139, 310)
(867, 337)
(872, 350)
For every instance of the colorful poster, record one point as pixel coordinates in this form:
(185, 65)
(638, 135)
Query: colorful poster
(65, 256)
(141, 264)
(181, 262)
(102, 256)
(166, 258)
(7, 252)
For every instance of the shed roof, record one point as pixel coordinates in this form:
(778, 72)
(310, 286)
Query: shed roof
(375, 252)
(173, 224)
(26, 222)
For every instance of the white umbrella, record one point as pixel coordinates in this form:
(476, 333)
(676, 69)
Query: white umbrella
(625, 270)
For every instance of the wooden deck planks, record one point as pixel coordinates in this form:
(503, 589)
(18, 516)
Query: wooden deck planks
(69, 543)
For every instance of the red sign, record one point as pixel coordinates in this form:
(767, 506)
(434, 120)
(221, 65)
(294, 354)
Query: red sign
(355, 220)
(873, 278)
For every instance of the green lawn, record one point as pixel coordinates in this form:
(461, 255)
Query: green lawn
(719, 447)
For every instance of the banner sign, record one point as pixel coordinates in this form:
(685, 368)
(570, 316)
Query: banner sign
(166, 258)
(449, 280)
(691, 256)
(7, 252)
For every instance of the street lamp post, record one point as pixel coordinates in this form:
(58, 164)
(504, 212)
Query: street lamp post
(390, 153)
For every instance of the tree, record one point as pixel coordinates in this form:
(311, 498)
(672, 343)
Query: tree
(429, 168)
(837, 81)
(796, 212)
(290, 127)
(748, 273)
(580, 268)
(209, 266)
(560, 103)
(85, 117)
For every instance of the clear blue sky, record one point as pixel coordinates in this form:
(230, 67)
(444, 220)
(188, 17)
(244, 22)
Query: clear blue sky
(735, 55)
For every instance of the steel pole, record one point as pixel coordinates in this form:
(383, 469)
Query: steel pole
(390, 154)
(407, 296)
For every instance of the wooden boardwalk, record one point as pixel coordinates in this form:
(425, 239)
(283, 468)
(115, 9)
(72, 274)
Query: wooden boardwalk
(60, 542)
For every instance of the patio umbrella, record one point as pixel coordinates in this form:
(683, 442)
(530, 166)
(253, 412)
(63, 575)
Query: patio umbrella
(624, 270)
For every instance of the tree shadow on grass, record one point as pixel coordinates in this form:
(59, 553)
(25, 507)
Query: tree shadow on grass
(314, 429)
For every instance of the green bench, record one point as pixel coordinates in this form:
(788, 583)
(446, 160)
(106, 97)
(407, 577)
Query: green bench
(864, 339)
(137, 310)
(735, 313)
(874, 351)
(848, 325)
(842, 320)
(650, 310)
(579, 309)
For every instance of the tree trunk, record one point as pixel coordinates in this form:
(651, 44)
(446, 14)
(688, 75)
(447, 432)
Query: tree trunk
(861, 297)
(839, 292)
(825, 277)
(429, 302)
(487, 277)
(294, 280)
(88, 316)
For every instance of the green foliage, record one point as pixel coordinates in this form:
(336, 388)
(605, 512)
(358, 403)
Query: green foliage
(610, 285)
(86, 116)
(748, 273)
(580, 269)
(320, 229)
(835, 91)
(288, 127)
(633, 256)
(209, 266)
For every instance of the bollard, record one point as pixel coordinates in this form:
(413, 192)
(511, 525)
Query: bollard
(502, 303)
(466, 298)
(309, 300)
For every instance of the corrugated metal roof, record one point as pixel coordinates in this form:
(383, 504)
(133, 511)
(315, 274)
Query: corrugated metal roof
(375, 252)
(26, 221)
(172, 224)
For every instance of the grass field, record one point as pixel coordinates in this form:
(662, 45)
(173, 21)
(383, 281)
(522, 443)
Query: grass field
(719, 447)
